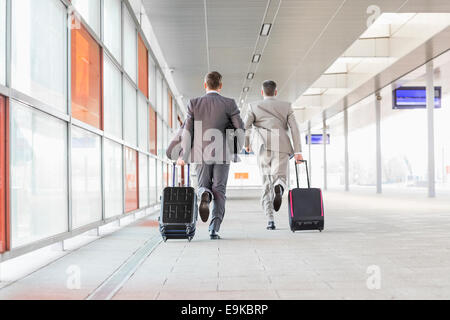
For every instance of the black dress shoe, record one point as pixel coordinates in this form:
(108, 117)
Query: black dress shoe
(204, 207)
(278, 198)
(214, 235)
(271, 226)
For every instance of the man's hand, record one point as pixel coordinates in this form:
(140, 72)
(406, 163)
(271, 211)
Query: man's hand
(299, 158)
(248, 149)
(181, 162)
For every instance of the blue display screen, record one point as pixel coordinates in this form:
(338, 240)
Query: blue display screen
(317, 139)
(414, 98)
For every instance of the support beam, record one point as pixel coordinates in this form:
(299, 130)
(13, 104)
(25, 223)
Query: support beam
(378, 143)
(430, 118)
(347, 166)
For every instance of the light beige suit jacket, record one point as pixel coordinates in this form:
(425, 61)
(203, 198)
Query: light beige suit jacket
(271, 120)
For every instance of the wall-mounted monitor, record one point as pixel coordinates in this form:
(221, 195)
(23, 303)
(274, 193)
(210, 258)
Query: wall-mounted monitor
(415, 98)
(317, 139)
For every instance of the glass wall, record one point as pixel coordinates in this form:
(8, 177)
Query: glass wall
(39, 192)
(112, 103)
(86, 178)
(3, 241)
(2, 42)
(90, 11)
(39, 64)
(112, 27)
(113, 179)
(65, 175)
(316, 164)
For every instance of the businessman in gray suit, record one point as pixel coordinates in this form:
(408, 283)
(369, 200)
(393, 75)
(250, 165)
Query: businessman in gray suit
(270, 120)
(208, 122)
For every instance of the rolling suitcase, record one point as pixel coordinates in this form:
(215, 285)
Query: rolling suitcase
(179, 211)
(306, 211)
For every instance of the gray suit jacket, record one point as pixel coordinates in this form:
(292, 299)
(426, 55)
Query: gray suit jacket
(271, 120)
(208, 122)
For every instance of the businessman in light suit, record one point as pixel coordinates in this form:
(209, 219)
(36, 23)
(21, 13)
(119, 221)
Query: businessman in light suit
(271, 120)
(208, 121)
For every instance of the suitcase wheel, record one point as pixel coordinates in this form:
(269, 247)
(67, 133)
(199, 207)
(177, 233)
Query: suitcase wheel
(165, 239)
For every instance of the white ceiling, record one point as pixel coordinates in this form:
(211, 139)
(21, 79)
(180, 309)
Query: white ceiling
(307, 37)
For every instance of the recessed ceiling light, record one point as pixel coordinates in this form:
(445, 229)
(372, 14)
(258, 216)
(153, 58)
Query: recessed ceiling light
(256, 58)
(265, 30)
(246, 89)
(250, 76)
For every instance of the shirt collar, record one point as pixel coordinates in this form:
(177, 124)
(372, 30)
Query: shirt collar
(213, 92)
(269, 98)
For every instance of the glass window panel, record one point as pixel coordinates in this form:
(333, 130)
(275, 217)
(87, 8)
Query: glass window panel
(165, 107)
(130, 113)
(39, 63)
(170, 110)
(86, 178)
(159, 180)
(143, 123)
(336, 153)
(153, 132)
(86, 78)
(2, 41)
(143, 181)
(112, 98)
(39, 192)
(90, 11)
(153, 182)
(113, 27)
(160, 136)
(362, 144)
(113, 179)
(152, 81)
(130, 45)
(159, 89)
(131, 180)
(143, 67)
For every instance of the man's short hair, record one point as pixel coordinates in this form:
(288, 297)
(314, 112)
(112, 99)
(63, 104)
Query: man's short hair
(269, 88)
(213, 80)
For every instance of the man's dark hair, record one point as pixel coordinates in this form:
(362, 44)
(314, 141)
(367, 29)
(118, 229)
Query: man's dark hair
(213, 80)
(269, 88)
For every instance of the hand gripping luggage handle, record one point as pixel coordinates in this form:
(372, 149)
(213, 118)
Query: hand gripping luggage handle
(307, 173)
(188, 175)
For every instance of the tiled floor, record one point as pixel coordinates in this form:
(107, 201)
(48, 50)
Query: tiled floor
(404, 240)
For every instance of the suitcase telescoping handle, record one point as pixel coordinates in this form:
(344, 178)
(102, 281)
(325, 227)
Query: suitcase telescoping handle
(307, 173)
(188, 175)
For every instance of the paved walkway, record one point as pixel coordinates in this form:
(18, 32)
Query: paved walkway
(400, 244)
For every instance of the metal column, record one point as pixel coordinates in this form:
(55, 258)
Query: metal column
(347, 166)
(430, 117)
(378, 143)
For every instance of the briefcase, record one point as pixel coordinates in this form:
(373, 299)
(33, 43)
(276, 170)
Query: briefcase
(179, 211)
(306, 210)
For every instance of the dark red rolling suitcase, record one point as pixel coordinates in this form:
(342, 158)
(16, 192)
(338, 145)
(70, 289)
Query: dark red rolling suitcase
(306, 211)
(179, 211)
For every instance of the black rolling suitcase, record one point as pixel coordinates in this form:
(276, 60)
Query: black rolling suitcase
(179, 211)
(306, 211)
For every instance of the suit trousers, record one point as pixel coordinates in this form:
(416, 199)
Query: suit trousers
(213, 178)
(273, 167)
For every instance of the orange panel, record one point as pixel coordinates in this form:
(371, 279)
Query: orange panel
(3, 186)
(241, 176)
(143, 67)
(153, 132)
(86, 78)
(131, 180)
